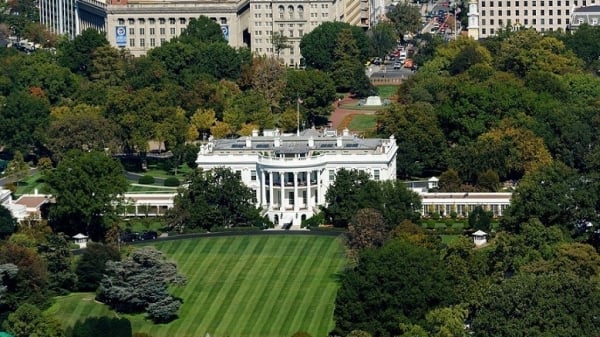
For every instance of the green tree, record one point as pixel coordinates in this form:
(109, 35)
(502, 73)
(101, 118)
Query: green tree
(17, 167)
(556, 195)
(480, 219)
(140, 282)
(215, 197)
(539, 305)
(23, 116)
(280, 42)
(420, 139)
(367, 229)
(86, 128)
(450, 181)
(488, 181)
(315, 89)
(319, 45)
(57, 255)
(8, 272)
(29, 321)
(405, 17)
(351, 191)
(398, 203)
(92, 265)
(584, 42)
(8, 224)
(86, 186)
(202, 30)
(346, 60)
(77, 54)
(398, 283)
(30, 283)
(383, 38)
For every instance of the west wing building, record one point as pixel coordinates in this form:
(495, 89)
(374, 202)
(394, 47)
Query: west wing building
(290, 174)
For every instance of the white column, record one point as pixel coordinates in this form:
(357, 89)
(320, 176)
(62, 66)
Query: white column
(295, 191)
(308, 195)
(271, 197)
(319, 200)
(282, 187)
(263, 194)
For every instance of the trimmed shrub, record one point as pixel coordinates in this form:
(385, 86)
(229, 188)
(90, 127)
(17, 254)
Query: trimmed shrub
(146, 180)
(172, 182)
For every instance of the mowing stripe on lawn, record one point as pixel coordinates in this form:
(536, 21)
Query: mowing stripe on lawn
(237, 288)
(270, 292)
(211, 319)
(302, 295)
(240, 286)
(204, 306)
(273, 263)
(285, 286)
(302, 270)
(326, 305)
(285, 281)
(313, 293)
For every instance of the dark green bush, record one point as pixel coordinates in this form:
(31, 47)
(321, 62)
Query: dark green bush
(172, 182)
(146, 180)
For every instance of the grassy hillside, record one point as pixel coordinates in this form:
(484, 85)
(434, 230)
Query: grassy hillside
(242, 286)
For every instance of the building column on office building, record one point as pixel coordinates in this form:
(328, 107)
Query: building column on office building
(309, 196)
(295, 201)
(282, 192)
(271, 197)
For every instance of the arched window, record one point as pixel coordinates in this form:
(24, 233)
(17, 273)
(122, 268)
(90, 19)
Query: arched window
(281, 12)
(300, 11)
(291, 11)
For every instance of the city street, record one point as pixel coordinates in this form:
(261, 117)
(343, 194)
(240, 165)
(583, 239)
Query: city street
(388, 71)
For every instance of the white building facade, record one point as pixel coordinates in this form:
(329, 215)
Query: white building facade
(60, 16)
(290, 174)
(487, 17)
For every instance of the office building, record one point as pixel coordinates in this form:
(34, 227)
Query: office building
(487, 17)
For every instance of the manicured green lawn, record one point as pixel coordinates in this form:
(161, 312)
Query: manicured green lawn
(30, 183)
(363, 122)
(242, 286)
(139, 188)
(387, 91)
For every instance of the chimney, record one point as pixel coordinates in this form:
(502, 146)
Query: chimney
(277, 142)
(248, 142)
(346, 132)
(339, 141)
(254, 132)
(311, 142)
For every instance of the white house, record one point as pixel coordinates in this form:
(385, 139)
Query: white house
(290, 174)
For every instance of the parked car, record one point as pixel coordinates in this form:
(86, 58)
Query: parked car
(148, 235)
(377, 61)
(398, 65)
(129, 237)
(408, 63)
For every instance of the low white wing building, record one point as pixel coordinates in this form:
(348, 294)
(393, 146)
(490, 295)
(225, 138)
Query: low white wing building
(290, 174)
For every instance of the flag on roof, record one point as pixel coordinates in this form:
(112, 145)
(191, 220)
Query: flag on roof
(300, 100)
(457, 10)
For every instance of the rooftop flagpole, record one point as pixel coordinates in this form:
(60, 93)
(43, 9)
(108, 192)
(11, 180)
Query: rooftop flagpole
(298, 116)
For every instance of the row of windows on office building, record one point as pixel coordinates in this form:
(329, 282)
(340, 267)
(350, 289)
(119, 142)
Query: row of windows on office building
(152, 31)
(534, 3)
(542, 29)
(526, 22)
(270, 6)
(525, 12)
(162, 21)
(142, 42)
